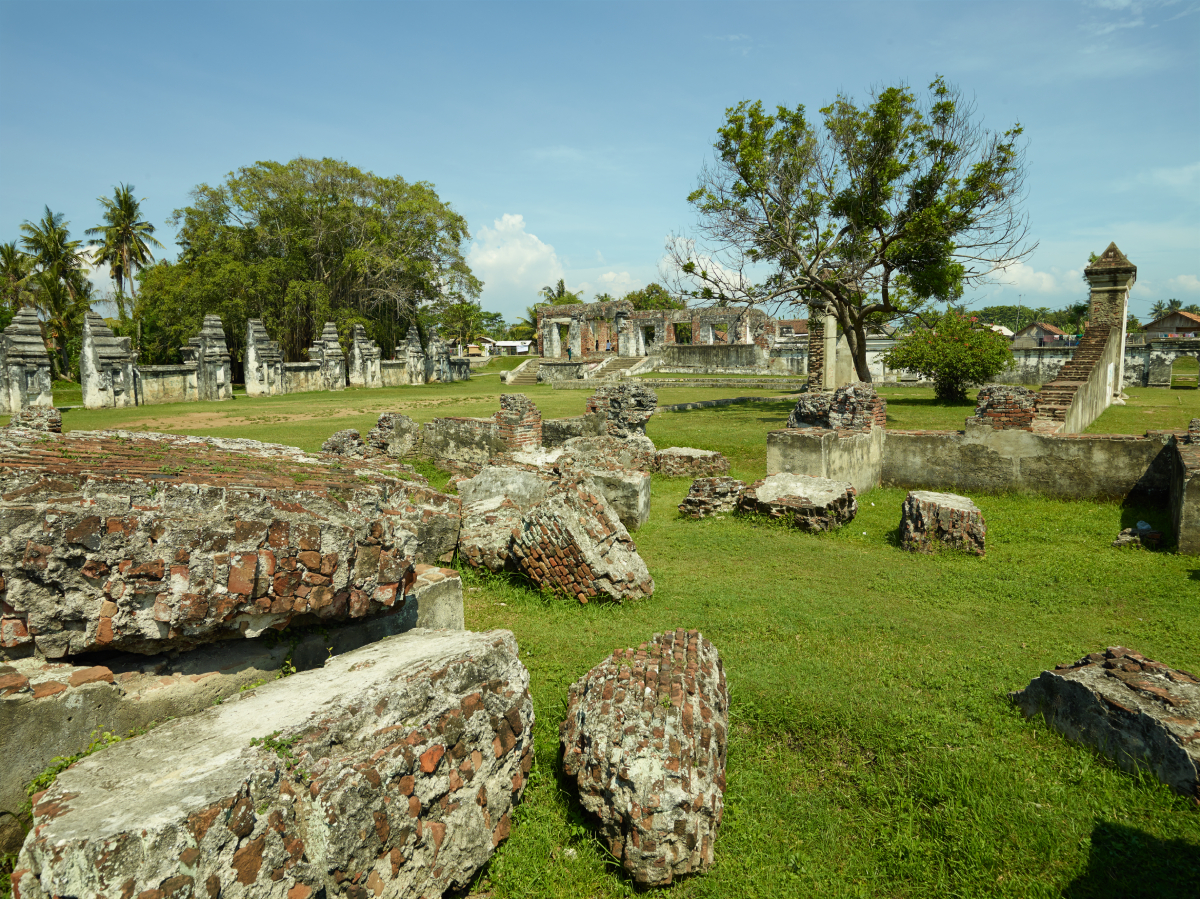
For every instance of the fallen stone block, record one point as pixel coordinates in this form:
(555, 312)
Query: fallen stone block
(685, 462)
(143, 543)
(1137, 712)
(645, 741)
(636, 452)
(627, 491)
(345, 443)
(929, 520)
(50, 709)
(712, 496)
(811, 504)
(572, 541)
(391, 771)
(627, 406)
(494, 505)
(395, 435)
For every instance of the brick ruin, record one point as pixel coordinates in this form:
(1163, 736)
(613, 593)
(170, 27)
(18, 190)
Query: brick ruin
(1005, 406)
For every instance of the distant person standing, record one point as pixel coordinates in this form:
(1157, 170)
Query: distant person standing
(568, 354)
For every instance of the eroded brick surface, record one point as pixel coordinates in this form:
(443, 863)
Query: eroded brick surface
(855, 407)
(628, 407)
(712, 496)
(645, 741)
(1006, 407)
(1138, 712)
(685, 462)
(572, 541)
(391, 771)
(145, 542)
(929, 520)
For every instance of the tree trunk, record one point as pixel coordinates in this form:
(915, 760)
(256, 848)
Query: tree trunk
(860, 354)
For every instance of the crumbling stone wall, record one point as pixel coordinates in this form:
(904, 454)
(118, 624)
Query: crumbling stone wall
(855, 407)
(557, 431)
(139, 542)
(627, 406)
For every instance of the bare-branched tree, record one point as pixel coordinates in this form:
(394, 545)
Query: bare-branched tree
(871, 215)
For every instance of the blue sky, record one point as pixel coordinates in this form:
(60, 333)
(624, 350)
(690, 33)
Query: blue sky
(569, 134)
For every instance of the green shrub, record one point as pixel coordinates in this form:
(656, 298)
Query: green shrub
(955, 354)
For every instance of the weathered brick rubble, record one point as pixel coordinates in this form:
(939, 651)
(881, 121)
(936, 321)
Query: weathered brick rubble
(1006, 407)
(685, 462)
(37, 418)
(50, 709)
(1136, 711)
(391, 771)
(645, 740)
(808, 503)
(929, 520)
(140, 542)
(573, 541)
(855, 407)
(712, 496)
(628, 406)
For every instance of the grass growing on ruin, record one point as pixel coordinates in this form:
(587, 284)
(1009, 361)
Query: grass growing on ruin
(872, 749)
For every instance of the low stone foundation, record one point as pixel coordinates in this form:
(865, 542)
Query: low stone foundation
(811, 504)
(712, 496)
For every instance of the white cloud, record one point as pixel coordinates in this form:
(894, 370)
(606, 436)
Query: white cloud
(1185, 283)
(1025, 278)
(513, 264)
(615, 284)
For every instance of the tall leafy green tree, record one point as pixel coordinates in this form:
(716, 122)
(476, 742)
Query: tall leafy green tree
(1165, 307)
(15, 268)
(871, 212)
(301, 243)
(125, 240)
(654, 296)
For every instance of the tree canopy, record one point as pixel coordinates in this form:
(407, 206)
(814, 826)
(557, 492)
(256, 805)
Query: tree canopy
(654, 296)
(954, 353)
(301, 243)
(872, 212)
(125, 240)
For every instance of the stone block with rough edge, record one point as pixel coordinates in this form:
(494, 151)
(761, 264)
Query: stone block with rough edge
(573, 542)
(637, 452)
(395, 435)
(930, 520)
(1138, 712)
(149, 542)
(808, 503)
(391, 771)
(712, 496)
(685, 462)
(645, 741)
(37, 418)
(345, 443)
(628, 407)
(855, 407)
(1193, 434)
(627, 491)
(50, 709)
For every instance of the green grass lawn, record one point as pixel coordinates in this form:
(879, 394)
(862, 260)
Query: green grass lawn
(873, 751)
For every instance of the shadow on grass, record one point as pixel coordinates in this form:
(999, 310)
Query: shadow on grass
(1130, 863)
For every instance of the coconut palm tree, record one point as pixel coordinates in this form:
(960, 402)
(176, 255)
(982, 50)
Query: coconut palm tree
(126, 240)
(58, 284)
(1161, 308)
(15, 267)
(558, 295)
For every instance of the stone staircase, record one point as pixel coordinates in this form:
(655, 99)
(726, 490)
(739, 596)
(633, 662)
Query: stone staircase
(526, 376)
(615, 369)
(1056, 397)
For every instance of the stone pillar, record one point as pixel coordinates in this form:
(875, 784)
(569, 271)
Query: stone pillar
(1110, 277)
(414, 358)
(551, 342)
(106, 366)
(440, 356)
(817, 348)
(25, 378)
(364, 359)
(208, 352)
(575, 339)
(328, 352)
(264, 362)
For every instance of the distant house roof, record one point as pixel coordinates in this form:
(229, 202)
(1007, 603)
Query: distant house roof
(1174, 321)
(798, 325)
(1044, 326)
(999, 329)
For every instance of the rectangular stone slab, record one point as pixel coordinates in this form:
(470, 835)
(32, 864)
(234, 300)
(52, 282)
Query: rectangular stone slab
(394, 768)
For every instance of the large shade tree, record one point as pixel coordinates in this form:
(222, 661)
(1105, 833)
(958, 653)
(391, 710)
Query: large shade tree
(871, 211)
(300, 243)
